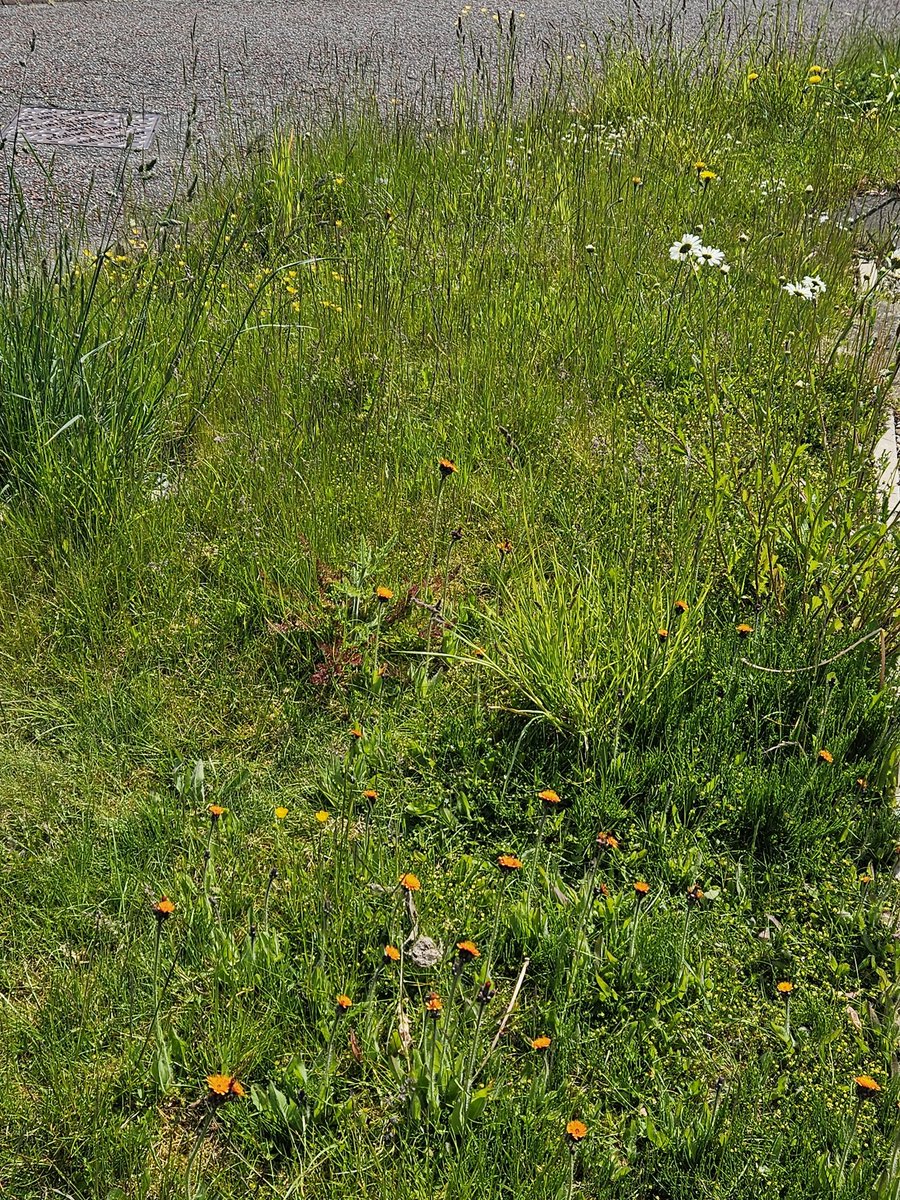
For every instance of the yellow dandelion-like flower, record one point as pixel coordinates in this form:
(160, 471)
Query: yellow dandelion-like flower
(223, 1087)
(866, 1087)
(163, 909)
(575, 1131)
(509, 862)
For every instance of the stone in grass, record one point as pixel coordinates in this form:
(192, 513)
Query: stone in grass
(876, 217)
(424, 952)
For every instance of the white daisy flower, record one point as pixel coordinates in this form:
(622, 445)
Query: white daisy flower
(686, 247)
(810, 287)
(710, 256)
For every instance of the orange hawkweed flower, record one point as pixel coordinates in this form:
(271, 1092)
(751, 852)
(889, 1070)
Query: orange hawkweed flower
(224, 1086)
(549, 796)
(866, 1087)
(785, 987)
(370, 794)
(343, 1002)
(215, 811)
(641, 888)
(681, 606)
(865, 877)
(540, 1043)
(356, 733)
(163, 909)
(434, 1005)
(468, 951)
(606, 841)
(826, 756)
(410, 882)
(391, 954)
(383, 595)
(575, 1131)
(695, 894)
(662, 634)
(280, 813)
(447, 467)
(509, 862)
(744, 630)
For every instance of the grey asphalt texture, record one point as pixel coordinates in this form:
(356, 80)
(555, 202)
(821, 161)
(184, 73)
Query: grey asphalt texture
(234, 63)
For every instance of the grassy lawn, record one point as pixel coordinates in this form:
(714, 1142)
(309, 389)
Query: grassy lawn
(417, 539)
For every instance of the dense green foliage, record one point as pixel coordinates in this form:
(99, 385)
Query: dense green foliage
(658, 579)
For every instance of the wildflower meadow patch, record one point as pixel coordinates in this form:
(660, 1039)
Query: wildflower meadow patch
(449, 631)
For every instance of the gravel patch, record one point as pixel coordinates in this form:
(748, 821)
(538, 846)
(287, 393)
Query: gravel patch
(225, 68)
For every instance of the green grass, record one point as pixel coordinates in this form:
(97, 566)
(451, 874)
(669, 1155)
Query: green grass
(218, 439)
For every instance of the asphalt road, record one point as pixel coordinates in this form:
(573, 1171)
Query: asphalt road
(233, 62)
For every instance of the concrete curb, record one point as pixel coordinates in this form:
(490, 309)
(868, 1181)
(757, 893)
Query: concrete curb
(883, 328)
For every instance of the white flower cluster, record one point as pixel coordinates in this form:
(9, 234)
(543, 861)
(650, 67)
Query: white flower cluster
(690, 249)
(810, 287)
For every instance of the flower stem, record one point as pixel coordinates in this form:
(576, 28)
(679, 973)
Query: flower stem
(579, 928)
(489, 961)
(156, 949)
(634, 926)
(432, 562)
(571, 1188)
(850, 1136)
(433, 1092)
(448, 1007)
(476, 1037)
(201, 1136)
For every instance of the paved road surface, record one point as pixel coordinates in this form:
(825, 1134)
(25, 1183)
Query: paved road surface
(169, 56)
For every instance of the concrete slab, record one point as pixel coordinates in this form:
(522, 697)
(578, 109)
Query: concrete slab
(89, 129)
